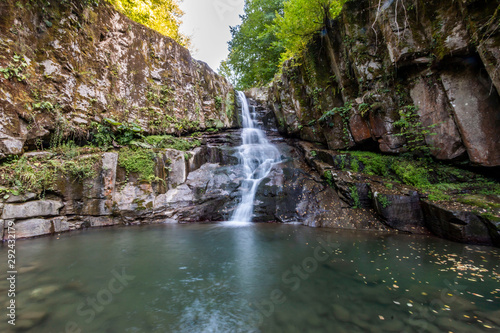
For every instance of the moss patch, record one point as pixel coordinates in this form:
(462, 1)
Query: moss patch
(438, 181)
(139, 161)
(167, 141)
(38, 174)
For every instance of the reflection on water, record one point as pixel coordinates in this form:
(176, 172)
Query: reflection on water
(252, 278)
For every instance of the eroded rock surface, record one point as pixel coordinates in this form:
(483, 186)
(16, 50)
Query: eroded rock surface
(83, 63)
(435, 64)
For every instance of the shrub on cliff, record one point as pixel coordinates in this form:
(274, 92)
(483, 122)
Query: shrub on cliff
(163, 16)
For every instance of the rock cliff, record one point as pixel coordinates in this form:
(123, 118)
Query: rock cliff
(67, 65)
(396, 76)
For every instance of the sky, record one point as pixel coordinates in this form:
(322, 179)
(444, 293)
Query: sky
(207, 22)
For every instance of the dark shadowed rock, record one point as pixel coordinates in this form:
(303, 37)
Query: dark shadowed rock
(455, 224)
(401, 212)
(433, 108)
(477, 112)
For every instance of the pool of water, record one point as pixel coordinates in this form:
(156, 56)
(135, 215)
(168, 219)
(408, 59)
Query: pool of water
(251, 278)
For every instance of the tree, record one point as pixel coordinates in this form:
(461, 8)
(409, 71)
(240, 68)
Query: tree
(226, 71)
(301, 20)
(163, 16)
(254, 51)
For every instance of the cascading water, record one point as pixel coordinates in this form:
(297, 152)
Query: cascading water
(257, 157)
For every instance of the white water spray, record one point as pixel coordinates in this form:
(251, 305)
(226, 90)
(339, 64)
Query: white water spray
(257, 157)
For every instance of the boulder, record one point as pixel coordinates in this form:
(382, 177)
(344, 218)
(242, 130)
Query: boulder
(476, 109)
(32, 209)
(197, 157)
(434, 112)
(100, 221)
(401, 212)
(21, 198)
(61, 224)
(360, 129)
(453, 223)
(33, 228)
(176, 163)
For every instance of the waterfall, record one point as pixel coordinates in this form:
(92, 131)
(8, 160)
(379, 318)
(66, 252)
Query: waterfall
(256, 156)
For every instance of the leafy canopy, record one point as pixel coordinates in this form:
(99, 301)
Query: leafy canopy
(163, 16)
(301, 20)
(254, 50)
(271, 32)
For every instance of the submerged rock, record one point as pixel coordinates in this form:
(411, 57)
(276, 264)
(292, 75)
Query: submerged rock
(43, 292)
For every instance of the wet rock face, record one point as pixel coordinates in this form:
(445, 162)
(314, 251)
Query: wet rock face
(86, 63)
(461, 226)
(435, 62)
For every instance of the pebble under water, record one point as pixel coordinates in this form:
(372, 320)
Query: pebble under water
(251, 278)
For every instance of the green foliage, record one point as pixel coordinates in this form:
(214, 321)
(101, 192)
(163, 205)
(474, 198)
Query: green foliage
(43, 106)
(139, 161)
(383, 200)
(329, 178)
(15, 69)
(273, 31)
(160, 95)
(38, 175)
(364, 108)
(226, 70)
(218, 103)
(345, 113)
(103, 136)
(355, 196)
(83, 168)
(167, 141)
(413, 130)
(440, 182)
(111, 131)
(411, 173)
(163, 16)
(302, 20)
(354, 165)
(254, 51)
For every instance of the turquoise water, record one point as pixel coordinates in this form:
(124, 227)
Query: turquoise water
(251, 278)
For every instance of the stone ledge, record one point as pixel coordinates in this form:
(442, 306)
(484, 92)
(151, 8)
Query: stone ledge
(32, 209)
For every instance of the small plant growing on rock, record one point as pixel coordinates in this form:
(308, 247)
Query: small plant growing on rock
(383, 200)
(218, 103)
(329, 178)
(413, 130)
(355, 196)
(15, 69)
(345, 113)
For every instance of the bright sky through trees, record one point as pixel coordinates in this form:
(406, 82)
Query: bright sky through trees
(207, 23)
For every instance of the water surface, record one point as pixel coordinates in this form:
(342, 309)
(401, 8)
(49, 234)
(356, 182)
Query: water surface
(252, 278)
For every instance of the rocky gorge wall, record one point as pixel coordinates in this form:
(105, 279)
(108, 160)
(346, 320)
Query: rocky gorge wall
(65, 66)
(202, 184)
(400, 76)
(396, 77)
